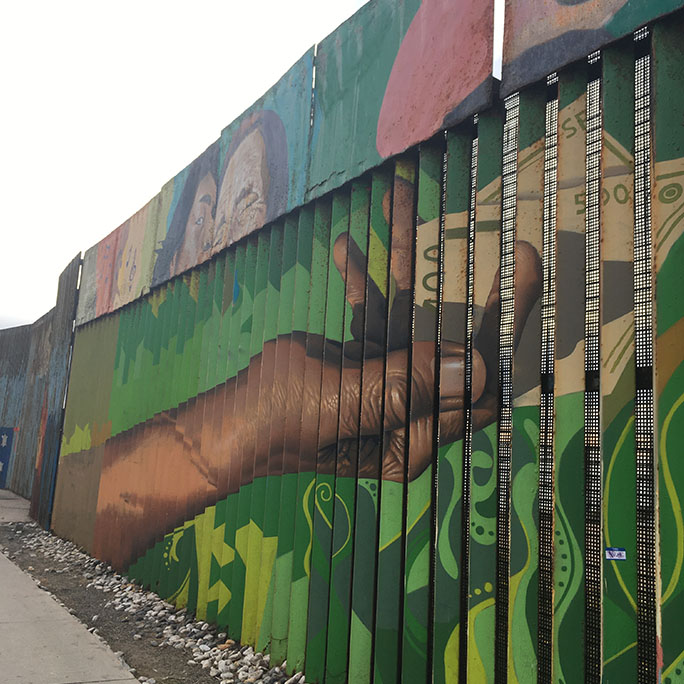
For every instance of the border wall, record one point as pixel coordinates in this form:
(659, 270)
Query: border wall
(388, 381)
(34, 362)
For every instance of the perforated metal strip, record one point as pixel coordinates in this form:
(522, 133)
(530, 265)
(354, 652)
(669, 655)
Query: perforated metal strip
(643, 323)
(507, 279)
(592, 402)
(468, 423)
(548, 330)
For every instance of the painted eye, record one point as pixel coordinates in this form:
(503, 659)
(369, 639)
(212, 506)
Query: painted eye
(248, 201)
(199, 221)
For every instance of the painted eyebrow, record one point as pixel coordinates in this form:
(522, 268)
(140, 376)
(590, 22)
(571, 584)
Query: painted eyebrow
(244, 193)
(206, 199)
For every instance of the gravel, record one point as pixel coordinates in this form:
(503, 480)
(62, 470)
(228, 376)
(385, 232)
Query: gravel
(160, 644)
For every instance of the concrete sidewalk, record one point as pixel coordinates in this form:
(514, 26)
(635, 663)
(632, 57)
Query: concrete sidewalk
(13, 508)
(41, 642)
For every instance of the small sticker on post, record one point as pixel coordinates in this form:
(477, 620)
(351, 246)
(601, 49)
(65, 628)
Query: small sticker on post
(615, 553)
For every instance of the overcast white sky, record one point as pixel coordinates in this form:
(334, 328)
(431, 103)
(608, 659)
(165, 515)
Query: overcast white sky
(103, 102)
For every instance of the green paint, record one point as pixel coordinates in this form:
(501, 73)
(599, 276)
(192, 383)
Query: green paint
(88, 403)
(388, 628)
(634, 14)
(289, 495)
(480, 664)
(365, 531)
(354, 64)
(262, 511)
(340, 580)
(241, 515)
(303, 541)
(448, 572)
(490, 132)
(279, 307)
(524, 518)
(417, 609)
(251, 506)
(234, 281)
(524, 550)
(282, 495)
(568, 570)
(569, 538)
(450, 461)
(532, 126)
(345, 487)
(667, 93)
(457, 191)
(324, 491)
(618, 447)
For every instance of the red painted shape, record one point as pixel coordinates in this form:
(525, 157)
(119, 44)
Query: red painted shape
(445, 55)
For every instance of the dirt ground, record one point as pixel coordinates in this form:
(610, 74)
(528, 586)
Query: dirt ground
(165, 664)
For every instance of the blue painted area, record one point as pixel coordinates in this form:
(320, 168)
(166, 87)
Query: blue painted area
(6, 440)
(236, 289)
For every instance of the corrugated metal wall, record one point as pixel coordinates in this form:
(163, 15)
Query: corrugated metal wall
(423, 428)
(52, 410)
(31, 405)
(35, 362)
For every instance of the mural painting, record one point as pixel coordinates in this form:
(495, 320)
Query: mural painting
(319, 425)
(523, 571)
(35, 368)
(188, 239)
(224, 440)
(379, 69)
(450, 464)
(477, 653)
(15, 345)
(280, 150)
(542, 36)
(668, 243)
(568, 436)
(247, 178)
(618, 362)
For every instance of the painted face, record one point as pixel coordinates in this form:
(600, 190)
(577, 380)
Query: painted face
(199, 229)
(130, 271)
(241, 206)
(125, 267)
(130, 266)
